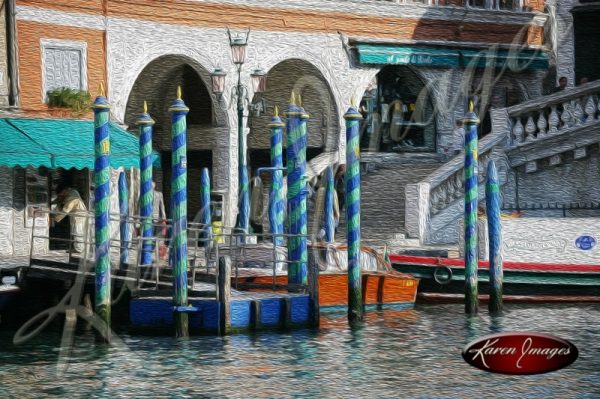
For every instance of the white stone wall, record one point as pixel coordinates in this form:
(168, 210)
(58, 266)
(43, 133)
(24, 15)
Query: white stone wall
(6, 214)
(542, 240)
(563, 39)
(3, 60)
(132, 45)
(15, 233)
(572, 181)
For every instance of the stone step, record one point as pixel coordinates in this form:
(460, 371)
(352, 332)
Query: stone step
(407, 242)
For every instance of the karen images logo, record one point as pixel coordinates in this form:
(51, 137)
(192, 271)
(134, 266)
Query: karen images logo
(520, 353)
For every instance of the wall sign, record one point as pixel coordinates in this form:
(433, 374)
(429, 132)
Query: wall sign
(585, 242)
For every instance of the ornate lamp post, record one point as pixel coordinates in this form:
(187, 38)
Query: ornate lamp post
(240, 93)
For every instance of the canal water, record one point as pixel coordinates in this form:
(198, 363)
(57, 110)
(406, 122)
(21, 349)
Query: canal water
(393, 354)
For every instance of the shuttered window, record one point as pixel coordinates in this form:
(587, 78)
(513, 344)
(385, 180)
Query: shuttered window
(63, 65)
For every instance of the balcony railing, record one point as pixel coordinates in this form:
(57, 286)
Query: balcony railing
(505, 5)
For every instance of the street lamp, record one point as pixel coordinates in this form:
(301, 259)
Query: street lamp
(240, 92)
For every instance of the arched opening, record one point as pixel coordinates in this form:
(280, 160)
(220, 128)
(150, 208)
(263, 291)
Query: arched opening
(398, 113)
(301, 77)
(157, 84)
(323, 128)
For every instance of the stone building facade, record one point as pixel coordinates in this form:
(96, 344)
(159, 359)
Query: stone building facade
(144, 49)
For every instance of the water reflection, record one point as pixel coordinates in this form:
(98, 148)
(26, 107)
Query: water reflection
(409, 353)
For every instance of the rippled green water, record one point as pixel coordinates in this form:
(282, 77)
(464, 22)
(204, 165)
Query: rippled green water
(394, 354)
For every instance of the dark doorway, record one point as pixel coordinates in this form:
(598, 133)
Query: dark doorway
(587, 43)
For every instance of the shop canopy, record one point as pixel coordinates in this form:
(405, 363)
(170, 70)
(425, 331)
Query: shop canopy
(63, 143)
(378, 54)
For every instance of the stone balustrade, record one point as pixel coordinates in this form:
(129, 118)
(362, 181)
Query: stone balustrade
(514, 127)
(435, 193)
(554, 114)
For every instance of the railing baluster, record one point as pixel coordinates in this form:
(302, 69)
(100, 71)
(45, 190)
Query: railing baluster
(542, 124)
(577, 112)
(590, 109)
(518, 131)
(554, 120)
(530, 129)
(565, 116)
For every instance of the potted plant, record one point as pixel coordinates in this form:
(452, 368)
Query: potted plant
(79, 102)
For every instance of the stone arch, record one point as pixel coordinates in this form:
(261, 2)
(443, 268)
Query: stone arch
(157, 84)
(300, 76)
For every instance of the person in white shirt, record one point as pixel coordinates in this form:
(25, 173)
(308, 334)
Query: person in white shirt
(70, 203)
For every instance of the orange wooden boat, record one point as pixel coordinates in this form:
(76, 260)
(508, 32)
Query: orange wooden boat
(380, 289)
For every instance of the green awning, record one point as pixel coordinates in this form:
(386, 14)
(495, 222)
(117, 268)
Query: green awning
(376, 54)
(403, 55)
(515, 60)
(63, 143)
(19, 150)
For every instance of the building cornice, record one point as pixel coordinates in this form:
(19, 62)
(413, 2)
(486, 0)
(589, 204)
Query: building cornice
(367, 8)
(381, 8)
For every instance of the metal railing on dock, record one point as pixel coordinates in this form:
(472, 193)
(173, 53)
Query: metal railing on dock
(251, 255)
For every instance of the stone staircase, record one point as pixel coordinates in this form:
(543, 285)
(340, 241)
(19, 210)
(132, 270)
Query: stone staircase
(383, 179)
(383, 198)
(528, 138)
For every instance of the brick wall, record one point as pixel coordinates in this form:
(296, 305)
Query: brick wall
(29, 39)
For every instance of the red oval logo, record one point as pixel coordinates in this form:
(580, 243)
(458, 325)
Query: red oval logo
(520, 353)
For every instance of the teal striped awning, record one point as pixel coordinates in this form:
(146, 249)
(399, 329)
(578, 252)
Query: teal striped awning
(402, 55)
(63, 143)
(19, 150)
(376, 54)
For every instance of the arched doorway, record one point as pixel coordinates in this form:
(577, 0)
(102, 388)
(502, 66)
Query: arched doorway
(398, 113)
(323, 128)
(301, 77)
(157, 84)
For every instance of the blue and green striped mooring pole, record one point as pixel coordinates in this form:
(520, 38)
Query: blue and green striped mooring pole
(276, 204)
(205, 208)
(470, 221)
(124, 214)
(145, 123)
(492, 204)
(244, 184)
(355, 305)
(178, 112)
(102, 209)
(329, 220)
(296, 167)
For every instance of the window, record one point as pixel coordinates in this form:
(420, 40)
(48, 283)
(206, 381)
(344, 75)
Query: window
(63, 65)
(506, 4)
(478, 3)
